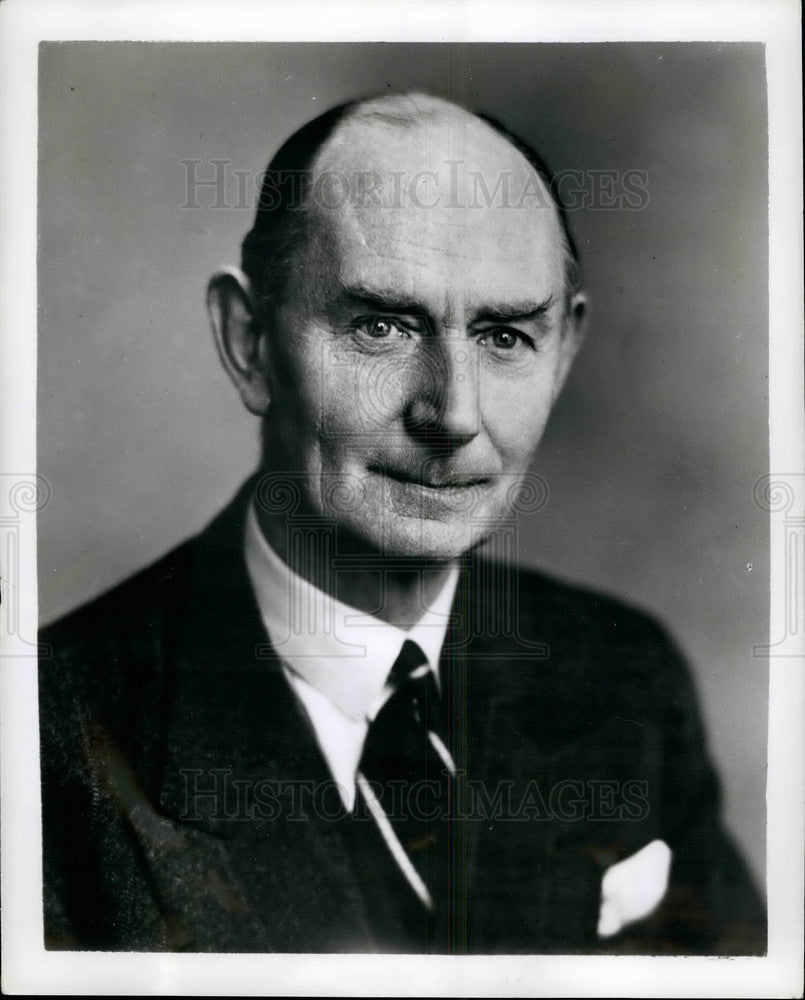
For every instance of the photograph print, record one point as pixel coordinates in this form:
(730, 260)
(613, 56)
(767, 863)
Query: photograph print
(403, 579)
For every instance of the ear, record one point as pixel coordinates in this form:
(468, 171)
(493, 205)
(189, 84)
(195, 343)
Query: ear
(239, 336)
(574, 328)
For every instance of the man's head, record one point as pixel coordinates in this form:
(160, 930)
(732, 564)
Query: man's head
(411, 311)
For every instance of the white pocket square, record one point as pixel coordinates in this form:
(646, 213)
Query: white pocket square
(632, 888)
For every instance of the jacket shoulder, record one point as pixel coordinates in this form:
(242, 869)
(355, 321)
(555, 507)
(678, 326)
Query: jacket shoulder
(545, 602)
(102, 665)
(123, 608)
(585, 642)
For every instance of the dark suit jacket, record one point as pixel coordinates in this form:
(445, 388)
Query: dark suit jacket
(572, 717)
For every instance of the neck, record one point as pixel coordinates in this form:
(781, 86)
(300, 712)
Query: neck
(397, 593)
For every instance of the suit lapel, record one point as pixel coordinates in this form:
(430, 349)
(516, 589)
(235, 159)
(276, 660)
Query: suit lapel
(241, 764)
(536, 709)
(485, 648)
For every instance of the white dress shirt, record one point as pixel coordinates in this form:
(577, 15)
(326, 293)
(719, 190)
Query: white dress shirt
(335, 657)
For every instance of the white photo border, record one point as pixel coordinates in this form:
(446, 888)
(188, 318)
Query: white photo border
(27, 967)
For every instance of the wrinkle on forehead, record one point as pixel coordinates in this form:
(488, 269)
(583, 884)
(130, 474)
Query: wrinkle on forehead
(448, 172)
(440, 232)
(489, 247)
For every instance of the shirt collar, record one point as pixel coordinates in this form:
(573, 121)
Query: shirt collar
(339, 650)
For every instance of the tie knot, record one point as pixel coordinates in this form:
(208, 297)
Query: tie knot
(410, 665)
(415, 686)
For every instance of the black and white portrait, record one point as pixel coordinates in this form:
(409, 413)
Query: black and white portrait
(404, 557)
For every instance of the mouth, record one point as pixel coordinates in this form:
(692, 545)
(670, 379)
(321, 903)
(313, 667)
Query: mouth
(440, 484)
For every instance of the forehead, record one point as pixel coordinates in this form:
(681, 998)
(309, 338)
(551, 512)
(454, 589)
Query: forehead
(444, 204)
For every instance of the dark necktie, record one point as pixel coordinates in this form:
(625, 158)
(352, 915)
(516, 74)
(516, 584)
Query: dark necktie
(409, 773)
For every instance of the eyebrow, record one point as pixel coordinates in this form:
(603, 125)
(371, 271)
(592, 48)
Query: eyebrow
(382, 302)
(516, 313)
(521, 312)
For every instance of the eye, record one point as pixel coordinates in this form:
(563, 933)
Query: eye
(504, 339)
(382, 328)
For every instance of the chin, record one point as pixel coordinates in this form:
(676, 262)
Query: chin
(425, 540)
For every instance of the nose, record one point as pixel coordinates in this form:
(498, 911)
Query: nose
(444, 409)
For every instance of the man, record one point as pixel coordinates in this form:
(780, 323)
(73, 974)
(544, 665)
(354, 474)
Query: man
(326, 724)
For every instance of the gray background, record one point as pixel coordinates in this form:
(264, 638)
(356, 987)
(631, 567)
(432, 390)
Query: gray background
(654, 447)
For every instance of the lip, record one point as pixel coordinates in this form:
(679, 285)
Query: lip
(449, 484)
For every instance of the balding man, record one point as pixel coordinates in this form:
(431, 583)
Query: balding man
(326, 723)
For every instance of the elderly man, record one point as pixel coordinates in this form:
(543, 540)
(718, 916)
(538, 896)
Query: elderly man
(327, 724)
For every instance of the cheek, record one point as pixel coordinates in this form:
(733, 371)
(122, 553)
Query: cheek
(305, 378)
(338, 399)
(514, 416)
(362, 394)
